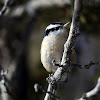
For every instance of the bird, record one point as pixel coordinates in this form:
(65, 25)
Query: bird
(52, 45)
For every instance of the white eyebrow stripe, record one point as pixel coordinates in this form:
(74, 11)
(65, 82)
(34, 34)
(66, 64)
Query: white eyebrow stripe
(52, 26)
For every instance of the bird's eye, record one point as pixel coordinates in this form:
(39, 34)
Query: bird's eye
(57, 28)
(47, 31)
(52, 29)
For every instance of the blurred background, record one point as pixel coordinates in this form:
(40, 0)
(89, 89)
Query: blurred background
(21, 32)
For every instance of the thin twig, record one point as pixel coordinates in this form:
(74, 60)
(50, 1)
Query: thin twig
(3, 10)
(4, 86)
(87, 66)
(91, 93)
(38, 87)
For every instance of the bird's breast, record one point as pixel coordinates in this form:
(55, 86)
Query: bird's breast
(52, 49)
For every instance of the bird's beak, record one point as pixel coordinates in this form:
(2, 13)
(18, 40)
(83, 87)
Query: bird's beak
(65, 25)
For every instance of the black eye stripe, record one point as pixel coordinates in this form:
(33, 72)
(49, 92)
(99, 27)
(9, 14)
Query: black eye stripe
(52, 29)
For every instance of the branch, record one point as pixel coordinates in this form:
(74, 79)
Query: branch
(74, 32)
(3, 10)
(38, 87)
(92, 92)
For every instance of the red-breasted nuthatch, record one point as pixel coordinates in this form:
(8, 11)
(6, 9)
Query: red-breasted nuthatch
(53, 44)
